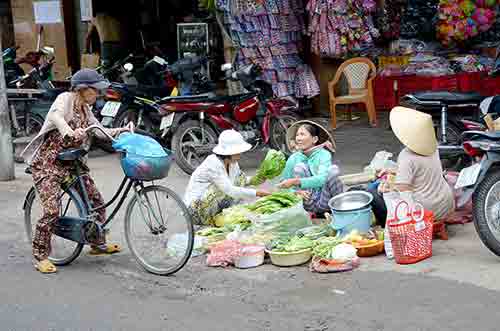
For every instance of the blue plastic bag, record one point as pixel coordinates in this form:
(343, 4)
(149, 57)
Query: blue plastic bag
(139, 145)
(143, 158)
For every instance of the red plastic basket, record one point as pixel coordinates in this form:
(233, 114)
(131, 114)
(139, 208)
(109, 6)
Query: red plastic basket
(412, 239)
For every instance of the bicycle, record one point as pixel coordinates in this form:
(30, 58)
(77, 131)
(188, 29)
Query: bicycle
(77, 225)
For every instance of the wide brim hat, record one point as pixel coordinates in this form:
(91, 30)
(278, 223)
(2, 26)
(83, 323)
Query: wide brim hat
(324, 134)
(414, 129)
(230, 143)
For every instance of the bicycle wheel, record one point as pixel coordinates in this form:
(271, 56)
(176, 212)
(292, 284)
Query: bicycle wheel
(159, 230)
(63, 251)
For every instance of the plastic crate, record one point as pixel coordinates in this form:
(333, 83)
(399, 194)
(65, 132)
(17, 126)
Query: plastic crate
(444, 83)
(383, 93)
(490, 86)
(413, 83)
(470, 81)
(400, 60)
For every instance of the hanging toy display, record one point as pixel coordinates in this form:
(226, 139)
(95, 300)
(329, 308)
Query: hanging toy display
(339, 27)
(461, 20)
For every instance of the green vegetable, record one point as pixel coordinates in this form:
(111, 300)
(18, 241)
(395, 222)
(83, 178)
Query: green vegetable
(290, 244)
(271, 167)
(274, 202)
(297, 244)
(232, 215)
(323, 247)
(210, 232)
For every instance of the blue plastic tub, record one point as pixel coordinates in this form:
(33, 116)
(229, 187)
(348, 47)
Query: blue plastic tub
(346, 221)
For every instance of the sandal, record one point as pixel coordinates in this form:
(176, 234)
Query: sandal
(45, 267)
(107, 250)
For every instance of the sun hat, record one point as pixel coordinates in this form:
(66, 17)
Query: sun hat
(231, 143)
(89, 78)
(414, 129)
(324, 135)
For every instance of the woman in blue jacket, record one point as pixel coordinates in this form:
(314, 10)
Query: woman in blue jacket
(310, 170)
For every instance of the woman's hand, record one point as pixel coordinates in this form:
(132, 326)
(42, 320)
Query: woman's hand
(130, 127)
(304, 194)
(79, 134)
(262, 193)
(289, 183)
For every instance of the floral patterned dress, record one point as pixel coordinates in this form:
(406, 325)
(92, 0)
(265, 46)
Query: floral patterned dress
(49, 174)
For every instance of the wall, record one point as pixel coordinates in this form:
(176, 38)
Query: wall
(26, 35)
(6, 27)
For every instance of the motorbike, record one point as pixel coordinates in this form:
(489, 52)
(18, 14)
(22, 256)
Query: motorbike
(192, 123)
(137, 103)
(40, 76)
(481, 181)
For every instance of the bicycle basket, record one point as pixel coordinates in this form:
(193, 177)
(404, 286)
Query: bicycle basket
(143, 158)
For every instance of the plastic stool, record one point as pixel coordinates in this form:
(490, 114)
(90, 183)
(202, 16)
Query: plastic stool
(439, 230)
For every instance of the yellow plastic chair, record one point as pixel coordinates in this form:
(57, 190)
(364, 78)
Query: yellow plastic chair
(359, 73)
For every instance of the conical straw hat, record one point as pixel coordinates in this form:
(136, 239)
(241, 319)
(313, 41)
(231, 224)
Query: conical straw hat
(324, 134)
(414, 129)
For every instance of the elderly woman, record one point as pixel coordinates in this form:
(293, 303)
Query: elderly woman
(419, 169)
(64, 128)
(218, 182)
(310, 170)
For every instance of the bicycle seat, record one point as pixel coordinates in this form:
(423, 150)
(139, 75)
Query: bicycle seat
(467, 135)
(72, 154)
(448, 98)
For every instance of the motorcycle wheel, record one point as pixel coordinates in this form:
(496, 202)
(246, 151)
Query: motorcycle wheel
(278, 129)
(131, 115)
(486, 211)
(186, 144)
(454, 161)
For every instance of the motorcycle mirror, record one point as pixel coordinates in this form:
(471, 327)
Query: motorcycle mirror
(128, 66)
(48, 50)
(226, 67)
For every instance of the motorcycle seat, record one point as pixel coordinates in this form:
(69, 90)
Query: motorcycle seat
(467, 135)
(448, 98)
(72, 154)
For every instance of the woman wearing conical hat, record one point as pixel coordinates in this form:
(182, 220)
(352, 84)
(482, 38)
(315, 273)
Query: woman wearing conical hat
(310, 170)
(419, 168)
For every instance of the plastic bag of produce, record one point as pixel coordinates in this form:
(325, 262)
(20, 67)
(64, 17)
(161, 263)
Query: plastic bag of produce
(284, 221)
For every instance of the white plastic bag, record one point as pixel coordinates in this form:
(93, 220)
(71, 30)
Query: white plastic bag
(285, 221)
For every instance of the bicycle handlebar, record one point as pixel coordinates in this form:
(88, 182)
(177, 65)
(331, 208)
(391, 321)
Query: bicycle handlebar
(95, 126)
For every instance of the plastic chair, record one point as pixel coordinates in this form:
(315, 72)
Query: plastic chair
(360, 73)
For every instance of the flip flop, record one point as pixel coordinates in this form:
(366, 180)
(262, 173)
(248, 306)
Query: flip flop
(110, 249)
(45, 267)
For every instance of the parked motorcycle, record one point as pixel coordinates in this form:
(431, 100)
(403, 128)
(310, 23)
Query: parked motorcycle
(193, 123)
(39, 76)
(482, 182)
(125, 103)
(453, 113)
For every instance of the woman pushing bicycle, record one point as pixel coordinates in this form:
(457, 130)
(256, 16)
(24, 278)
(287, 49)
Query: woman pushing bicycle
(64, 128)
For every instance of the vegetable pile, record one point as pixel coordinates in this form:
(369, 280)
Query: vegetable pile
(323, 247)
(274, 202)
(271, 167)
(232, 215)
(290, 244)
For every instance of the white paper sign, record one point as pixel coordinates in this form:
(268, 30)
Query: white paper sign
(47, 12)
(86, 10)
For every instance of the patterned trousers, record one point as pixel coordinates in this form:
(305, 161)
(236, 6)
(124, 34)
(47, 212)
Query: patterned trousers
(318, 202)
(48, 189)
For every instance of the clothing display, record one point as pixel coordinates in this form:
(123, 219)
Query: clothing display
(269, 34)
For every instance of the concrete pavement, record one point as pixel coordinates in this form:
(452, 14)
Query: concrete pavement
(457, 289)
